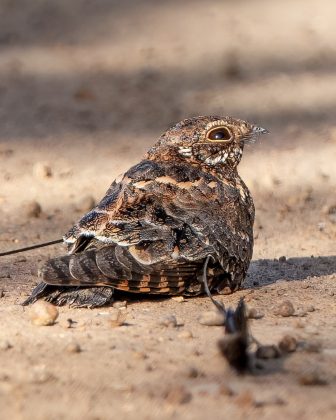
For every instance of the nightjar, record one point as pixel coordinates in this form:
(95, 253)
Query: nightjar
(161, 219)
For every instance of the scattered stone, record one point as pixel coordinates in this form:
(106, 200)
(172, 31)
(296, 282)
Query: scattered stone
(33, 209)
(21, 259)
(117, 318)
(73, 347)
(84, 94)
(42, 170)
(267, 352)
(285, 309)
(254, 313)
(119, 304)
(168, 321)
(312, 376)
(192, 372)
(212, 318)
(178, 395)
(185, 334)
(300, 312)
(282, 259)
(140, 355)
(149, 367)
(2, 294)
(274, 400)
(225, 390)
(226, 291)
(178, 299)
(43, 313)
(305, 285)
(288, 344)
(5, 345)
(313, 346)
(245, 399)
(40, 375)
(86, 203)
(310, 308)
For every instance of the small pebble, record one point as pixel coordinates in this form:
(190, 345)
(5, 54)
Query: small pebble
(178, 395)
(185, 334)
(300, 312)
(42, 170)
(285, 309)
(86, 203)
(282, 259)
(254, 313)
(5, 345)
(178, 299)
(225, 390)
(73, 348)
(226, 291)
(267, 352)
(299, 324)
(310, 308)
(40, 375)
(140, 355)
(168, 321)
(2, 294)
(312, 377)
(119, 304)
(274, 400)
(32, 209)
(192, 372)
(43, 313)
(288, 344)
(313, 346)
(245, 399)
(117, 318)
(212, 318)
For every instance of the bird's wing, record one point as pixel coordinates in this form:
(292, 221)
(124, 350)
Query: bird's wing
(162, 212)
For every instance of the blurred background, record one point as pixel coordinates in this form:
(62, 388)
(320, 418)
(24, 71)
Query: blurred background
(87, 86)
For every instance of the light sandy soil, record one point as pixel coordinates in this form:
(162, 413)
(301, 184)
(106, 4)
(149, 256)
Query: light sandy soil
(85, 88)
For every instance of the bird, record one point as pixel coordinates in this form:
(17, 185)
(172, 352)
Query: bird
(182, 205)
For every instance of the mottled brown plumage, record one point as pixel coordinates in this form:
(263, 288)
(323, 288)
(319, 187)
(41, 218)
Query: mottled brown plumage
(159, 221)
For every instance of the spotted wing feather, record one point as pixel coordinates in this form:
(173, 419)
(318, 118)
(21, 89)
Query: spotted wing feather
(154, 228)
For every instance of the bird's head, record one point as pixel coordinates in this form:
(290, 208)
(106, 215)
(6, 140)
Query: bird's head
(212, 141)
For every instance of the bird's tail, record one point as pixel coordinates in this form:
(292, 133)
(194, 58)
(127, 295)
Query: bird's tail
(115, 266)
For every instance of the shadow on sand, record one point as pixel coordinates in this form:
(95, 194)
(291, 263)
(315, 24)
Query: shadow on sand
(264, 272)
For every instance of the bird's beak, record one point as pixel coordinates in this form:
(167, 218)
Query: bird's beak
(259, 130)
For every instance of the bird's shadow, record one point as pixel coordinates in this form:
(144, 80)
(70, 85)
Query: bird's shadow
(265, 271)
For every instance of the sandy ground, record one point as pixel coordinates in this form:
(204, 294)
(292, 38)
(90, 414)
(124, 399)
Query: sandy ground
(85, 88)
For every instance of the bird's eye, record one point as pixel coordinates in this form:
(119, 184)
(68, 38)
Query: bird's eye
(219, 134)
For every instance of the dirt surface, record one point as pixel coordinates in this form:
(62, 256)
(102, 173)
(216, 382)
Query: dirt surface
(85, 88)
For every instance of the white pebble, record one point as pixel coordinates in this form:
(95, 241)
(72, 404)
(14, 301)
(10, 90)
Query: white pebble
(43, 313)
(212, 318)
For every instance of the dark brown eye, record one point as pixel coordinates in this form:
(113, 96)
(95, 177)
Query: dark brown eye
(219, 134)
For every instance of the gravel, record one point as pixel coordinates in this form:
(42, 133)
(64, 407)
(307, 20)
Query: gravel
(267, 352)
(43, 313)
(285, 309)
(212, 318)
(288, 344)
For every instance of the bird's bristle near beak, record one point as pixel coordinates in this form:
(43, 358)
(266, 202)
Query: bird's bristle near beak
(260, 130)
